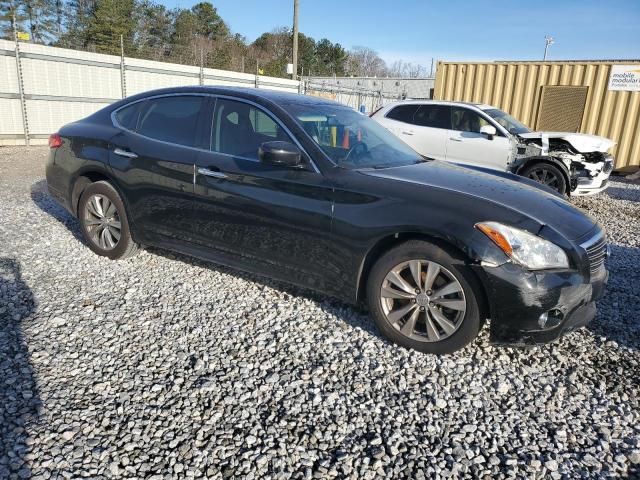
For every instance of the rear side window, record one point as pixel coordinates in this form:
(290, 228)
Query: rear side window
(434, 116)
(403, 113)
(128, 116)
(172, 119)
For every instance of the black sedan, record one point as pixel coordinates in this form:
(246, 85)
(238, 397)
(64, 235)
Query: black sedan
(311, 192)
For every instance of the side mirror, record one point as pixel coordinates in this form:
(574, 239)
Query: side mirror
(283, 154)
(489, 131)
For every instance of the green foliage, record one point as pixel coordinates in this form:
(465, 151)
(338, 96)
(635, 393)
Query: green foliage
(208, 22)
(111, 19)
(189, 36)
(10, 9)
(37, 17)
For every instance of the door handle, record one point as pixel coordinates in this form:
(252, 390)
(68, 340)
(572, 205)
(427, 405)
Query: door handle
(211, 173)
(455, 139)
(125, 153)
(407, 133)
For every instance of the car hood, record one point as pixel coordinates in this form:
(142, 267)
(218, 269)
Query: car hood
(531, 202)
(582, 142)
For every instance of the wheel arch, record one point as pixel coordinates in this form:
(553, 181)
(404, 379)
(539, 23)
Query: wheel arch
(89, 176)
(384, 244)
(82, 181)
(527, 162)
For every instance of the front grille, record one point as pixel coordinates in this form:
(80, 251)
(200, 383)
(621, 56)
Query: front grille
(597, 253)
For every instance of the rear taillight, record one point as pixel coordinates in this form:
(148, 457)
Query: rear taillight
(55, 140)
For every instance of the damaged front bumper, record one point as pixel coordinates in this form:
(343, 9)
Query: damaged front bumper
(529, 308)
(594, 181)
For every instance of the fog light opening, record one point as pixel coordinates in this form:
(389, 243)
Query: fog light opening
(550, 319)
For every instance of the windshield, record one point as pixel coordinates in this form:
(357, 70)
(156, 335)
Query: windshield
(507, 121)
(352, 140)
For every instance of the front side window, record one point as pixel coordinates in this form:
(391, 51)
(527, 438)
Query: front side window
(171, 119)
(465, 120)
(434, 116)
(350, 139)
(239, 129)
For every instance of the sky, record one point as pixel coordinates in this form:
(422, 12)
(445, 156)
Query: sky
(419, 30)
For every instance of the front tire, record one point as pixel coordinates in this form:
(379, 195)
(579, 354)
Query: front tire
(104, 223)
(548, 175)
(422, 297)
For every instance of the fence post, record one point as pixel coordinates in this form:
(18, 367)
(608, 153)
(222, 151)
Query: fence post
(123, 80)
(257, 72)
(23, 103)
(201, 66)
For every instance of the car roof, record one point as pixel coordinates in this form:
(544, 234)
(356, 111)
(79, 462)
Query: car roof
(255, 94)
(481, 106)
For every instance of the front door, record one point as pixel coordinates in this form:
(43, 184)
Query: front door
(153, 159)
(276, 219)
(466, 145)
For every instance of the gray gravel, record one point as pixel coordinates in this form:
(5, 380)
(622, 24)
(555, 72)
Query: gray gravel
(167, 367)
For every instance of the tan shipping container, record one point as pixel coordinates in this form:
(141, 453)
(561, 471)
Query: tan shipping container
(524, 90)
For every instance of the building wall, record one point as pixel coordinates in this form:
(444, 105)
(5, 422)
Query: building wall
(61, 86)
(516, 87)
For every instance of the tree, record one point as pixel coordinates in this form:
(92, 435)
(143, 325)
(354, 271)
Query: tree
(365, 62)
(400, 68)
(34, 16)
(111, 19)
(76, 19)
(208, 22)
(306, 54)
(41, 20)
(154, 27)
(9, 10)
(272, 50)
(331, 58)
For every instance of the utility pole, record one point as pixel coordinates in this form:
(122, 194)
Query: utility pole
(295, 39)
(547, 41)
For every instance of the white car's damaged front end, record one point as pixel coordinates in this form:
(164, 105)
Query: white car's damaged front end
(585, 157)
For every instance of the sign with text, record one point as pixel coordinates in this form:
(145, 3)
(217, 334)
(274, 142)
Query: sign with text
(625, 77)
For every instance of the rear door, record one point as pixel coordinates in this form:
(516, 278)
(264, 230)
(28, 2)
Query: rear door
(154, 160)
(429, 133)
(276, 219)
(466, 145)
(424, 127)
(397, 118)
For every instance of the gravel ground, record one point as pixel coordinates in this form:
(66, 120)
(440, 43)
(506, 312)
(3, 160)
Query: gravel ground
(167, 367)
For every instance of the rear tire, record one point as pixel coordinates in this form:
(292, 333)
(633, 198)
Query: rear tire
(104, 223)
(548, 175)
(439, 315)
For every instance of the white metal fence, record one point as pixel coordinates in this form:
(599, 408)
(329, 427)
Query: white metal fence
(43, 88)
(370, 92)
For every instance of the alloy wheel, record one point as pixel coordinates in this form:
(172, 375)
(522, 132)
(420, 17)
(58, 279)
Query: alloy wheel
(102, 221)
(423, 300)
(545, 176)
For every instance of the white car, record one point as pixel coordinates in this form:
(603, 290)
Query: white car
(485, 136)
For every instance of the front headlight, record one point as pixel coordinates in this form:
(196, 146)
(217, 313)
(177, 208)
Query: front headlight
(522, 247)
